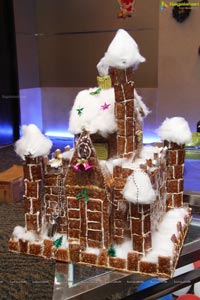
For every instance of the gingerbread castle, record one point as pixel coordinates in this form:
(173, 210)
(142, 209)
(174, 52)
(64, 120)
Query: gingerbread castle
(109, 199)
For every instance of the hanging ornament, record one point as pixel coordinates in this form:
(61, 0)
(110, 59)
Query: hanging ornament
(82, 165)
(58, 242)
(126, 8)
(112, 251)
(83, 195)
(84, 152)
(98, 91)
(181, 11)
(105, 106)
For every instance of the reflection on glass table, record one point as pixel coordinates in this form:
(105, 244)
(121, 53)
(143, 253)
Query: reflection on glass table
(85, 282)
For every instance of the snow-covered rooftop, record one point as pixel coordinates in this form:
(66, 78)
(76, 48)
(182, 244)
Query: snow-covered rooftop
(138, 188)
(162, 244)
(32, 142)
(123, 52)
(161, 239)
(93, 111)
(175, 130)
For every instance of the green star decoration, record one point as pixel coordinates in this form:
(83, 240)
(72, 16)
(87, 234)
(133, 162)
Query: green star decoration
(83, 195)
(112, 251)
(80, 110)
(98, 91)
(58, 242)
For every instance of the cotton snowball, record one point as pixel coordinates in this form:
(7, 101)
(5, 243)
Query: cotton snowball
(93, 118)
(32, 142)
(122, 53)
(21, 233)
(138, 188)
(175, 130)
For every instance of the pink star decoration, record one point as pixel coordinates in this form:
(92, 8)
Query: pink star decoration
(105, 106)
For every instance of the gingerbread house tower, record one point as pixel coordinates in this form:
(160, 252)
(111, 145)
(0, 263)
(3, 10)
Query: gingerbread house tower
(88, 197)
(123, 83)
(106, 199)
(33, 182)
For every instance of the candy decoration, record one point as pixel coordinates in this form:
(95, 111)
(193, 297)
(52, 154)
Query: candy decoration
(126, 8)
(82, 165)
(83, 195)
(112, 251)
(105, 106)
(58, 242)
(96, 92)
(84, 152)
(152, 282)
(84, 147)
(80, 110)
(104, 82)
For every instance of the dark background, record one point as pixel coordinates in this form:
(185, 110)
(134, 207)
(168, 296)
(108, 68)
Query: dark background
(9, 90)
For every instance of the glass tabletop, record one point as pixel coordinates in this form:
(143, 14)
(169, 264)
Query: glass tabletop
(76, 281)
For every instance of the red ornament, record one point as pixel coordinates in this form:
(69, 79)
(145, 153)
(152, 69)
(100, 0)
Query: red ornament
(126, 8)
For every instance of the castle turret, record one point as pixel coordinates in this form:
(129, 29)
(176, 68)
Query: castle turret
(31, 147)
(120, 60)
(175, 174)
(33, 193)
(122, 81)
(176, 133)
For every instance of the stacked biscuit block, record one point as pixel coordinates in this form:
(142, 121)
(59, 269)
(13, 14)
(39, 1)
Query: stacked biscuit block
(167, 265)
(54, 197)
(131, 219)
(121, 207)
(33, 193)
(134, 262)
(145, 218)
(88, 221)
(140, 228)
(122, 81)
(157, 171)
(92, 212)
(175, 173)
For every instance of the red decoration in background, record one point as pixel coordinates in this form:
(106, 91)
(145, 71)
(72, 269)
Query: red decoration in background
(126, 8)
